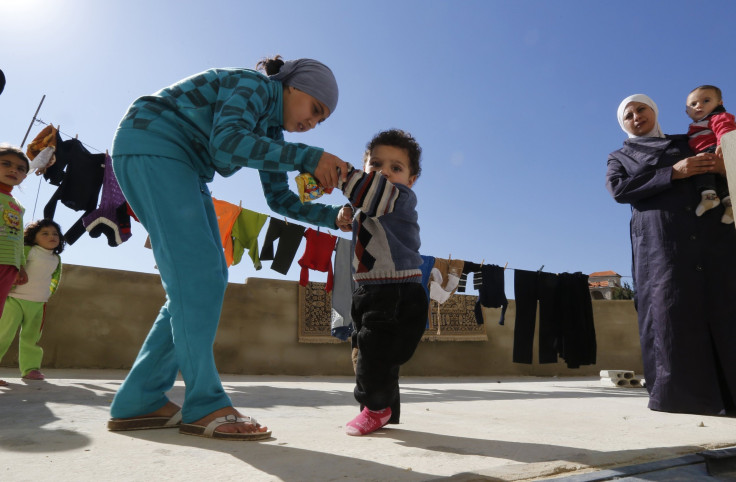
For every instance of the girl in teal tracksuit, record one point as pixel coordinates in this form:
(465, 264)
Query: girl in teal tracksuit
(167, 148)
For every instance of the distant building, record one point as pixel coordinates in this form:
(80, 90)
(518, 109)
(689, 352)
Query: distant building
(602, 284)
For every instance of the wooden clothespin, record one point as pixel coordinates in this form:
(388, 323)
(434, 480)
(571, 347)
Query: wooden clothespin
(504, 266)
(240, 204)
(449, 257)
(540, 269)
(285, 221)
(481, 263)
(76, 136)
(107, 153)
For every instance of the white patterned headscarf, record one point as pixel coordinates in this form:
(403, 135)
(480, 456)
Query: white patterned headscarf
(312, 77)
(657, 131)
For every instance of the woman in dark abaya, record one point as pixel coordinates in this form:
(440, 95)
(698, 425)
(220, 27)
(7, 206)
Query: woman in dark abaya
(684, 266)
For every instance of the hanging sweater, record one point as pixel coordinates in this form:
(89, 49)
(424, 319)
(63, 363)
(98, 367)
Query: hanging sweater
(219, 121)
(385, 230)
(11, 230)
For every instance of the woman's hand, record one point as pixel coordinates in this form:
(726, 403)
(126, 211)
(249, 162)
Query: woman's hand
(701, 164)
(327, 170)
(344, 220)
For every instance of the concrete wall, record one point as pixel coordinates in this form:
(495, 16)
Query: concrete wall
(98, 319)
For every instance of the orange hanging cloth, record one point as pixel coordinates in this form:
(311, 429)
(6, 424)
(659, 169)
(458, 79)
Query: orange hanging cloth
(44, 139)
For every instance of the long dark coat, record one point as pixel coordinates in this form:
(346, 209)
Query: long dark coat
(684, 270)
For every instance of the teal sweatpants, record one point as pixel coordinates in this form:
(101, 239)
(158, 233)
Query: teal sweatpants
(29, 316)
(175, 206)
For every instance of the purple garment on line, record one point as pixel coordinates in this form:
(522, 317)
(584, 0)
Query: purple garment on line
(111, 218)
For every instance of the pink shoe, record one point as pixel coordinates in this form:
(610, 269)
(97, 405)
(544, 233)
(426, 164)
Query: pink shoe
(368, 421)
(34, 375)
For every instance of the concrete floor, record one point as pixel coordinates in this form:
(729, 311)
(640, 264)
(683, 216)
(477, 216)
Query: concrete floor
(456, 428)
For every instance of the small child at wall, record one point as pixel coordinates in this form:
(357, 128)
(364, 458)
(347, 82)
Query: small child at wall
(14, 166)
(389, 307)
(704, 106)
(25, 306)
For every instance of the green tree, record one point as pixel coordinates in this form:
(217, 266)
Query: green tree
(623, 293)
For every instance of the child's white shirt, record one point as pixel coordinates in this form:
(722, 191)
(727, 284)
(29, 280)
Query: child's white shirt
(40, 266)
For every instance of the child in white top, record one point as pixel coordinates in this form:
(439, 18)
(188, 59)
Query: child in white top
(25, 306)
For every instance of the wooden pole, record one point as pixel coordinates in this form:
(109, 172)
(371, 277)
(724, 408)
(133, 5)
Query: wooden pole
(32, 121)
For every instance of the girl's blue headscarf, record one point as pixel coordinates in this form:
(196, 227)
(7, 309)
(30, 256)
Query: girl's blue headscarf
(312, 77)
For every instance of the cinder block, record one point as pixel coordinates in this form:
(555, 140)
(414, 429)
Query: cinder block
(622, 382)
(617, 374)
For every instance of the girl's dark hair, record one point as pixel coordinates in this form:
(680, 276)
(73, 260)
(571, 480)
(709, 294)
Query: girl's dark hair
(29, 235)
(15, 151)
(271, 65)
(402, 140)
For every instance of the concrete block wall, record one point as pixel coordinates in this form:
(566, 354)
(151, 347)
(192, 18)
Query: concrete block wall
(99, 317)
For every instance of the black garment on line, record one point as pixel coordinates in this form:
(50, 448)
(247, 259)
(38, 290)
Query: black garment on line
(491, 292)
(80, 183)
(468, 268)
(530, 287)
(576, 342)
(290, 237)
(565, 318)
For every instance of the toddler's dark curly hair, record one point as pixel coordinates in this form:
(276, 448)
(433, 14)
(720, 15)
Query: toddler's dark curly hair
(29, 235)
(402, 140)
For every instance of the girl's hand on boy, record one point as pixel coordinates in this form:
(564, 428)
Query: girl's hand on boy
(344, 220)
(327, 170)
(22, 277)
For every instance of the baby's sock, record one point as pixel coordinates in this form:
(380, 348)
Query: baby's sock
(708, 200)
(368, 421)
(727, 217)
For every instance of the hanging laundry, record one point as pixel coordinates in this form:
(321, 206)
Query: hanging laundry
(565, 318)
(531, 287)
(80, 183)
(446, 276)
(426, 269)
(470, 268)
(491, 293)
(111, 217)
(245, 233)
(317, 256)
(55, 173)
(341, 321)
(227, 213)
(290, 237)
(576, 342)
(46, 138)
(42, 159)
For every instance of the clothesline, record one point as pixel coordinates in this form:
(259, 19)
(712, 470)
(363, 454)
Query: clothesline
(40, 121)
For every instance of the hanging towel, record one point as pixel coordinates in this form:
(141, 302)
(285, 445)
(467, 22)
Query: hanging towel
(290, 237)
(317, 256)
(448, 272)
(46, 138)
(341, 322)
(245, 233)
(227, 213)
(426, 269)
(111, 218)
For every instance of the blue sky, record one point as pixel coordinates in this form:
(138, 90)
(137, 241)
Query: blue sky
(514, 103)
